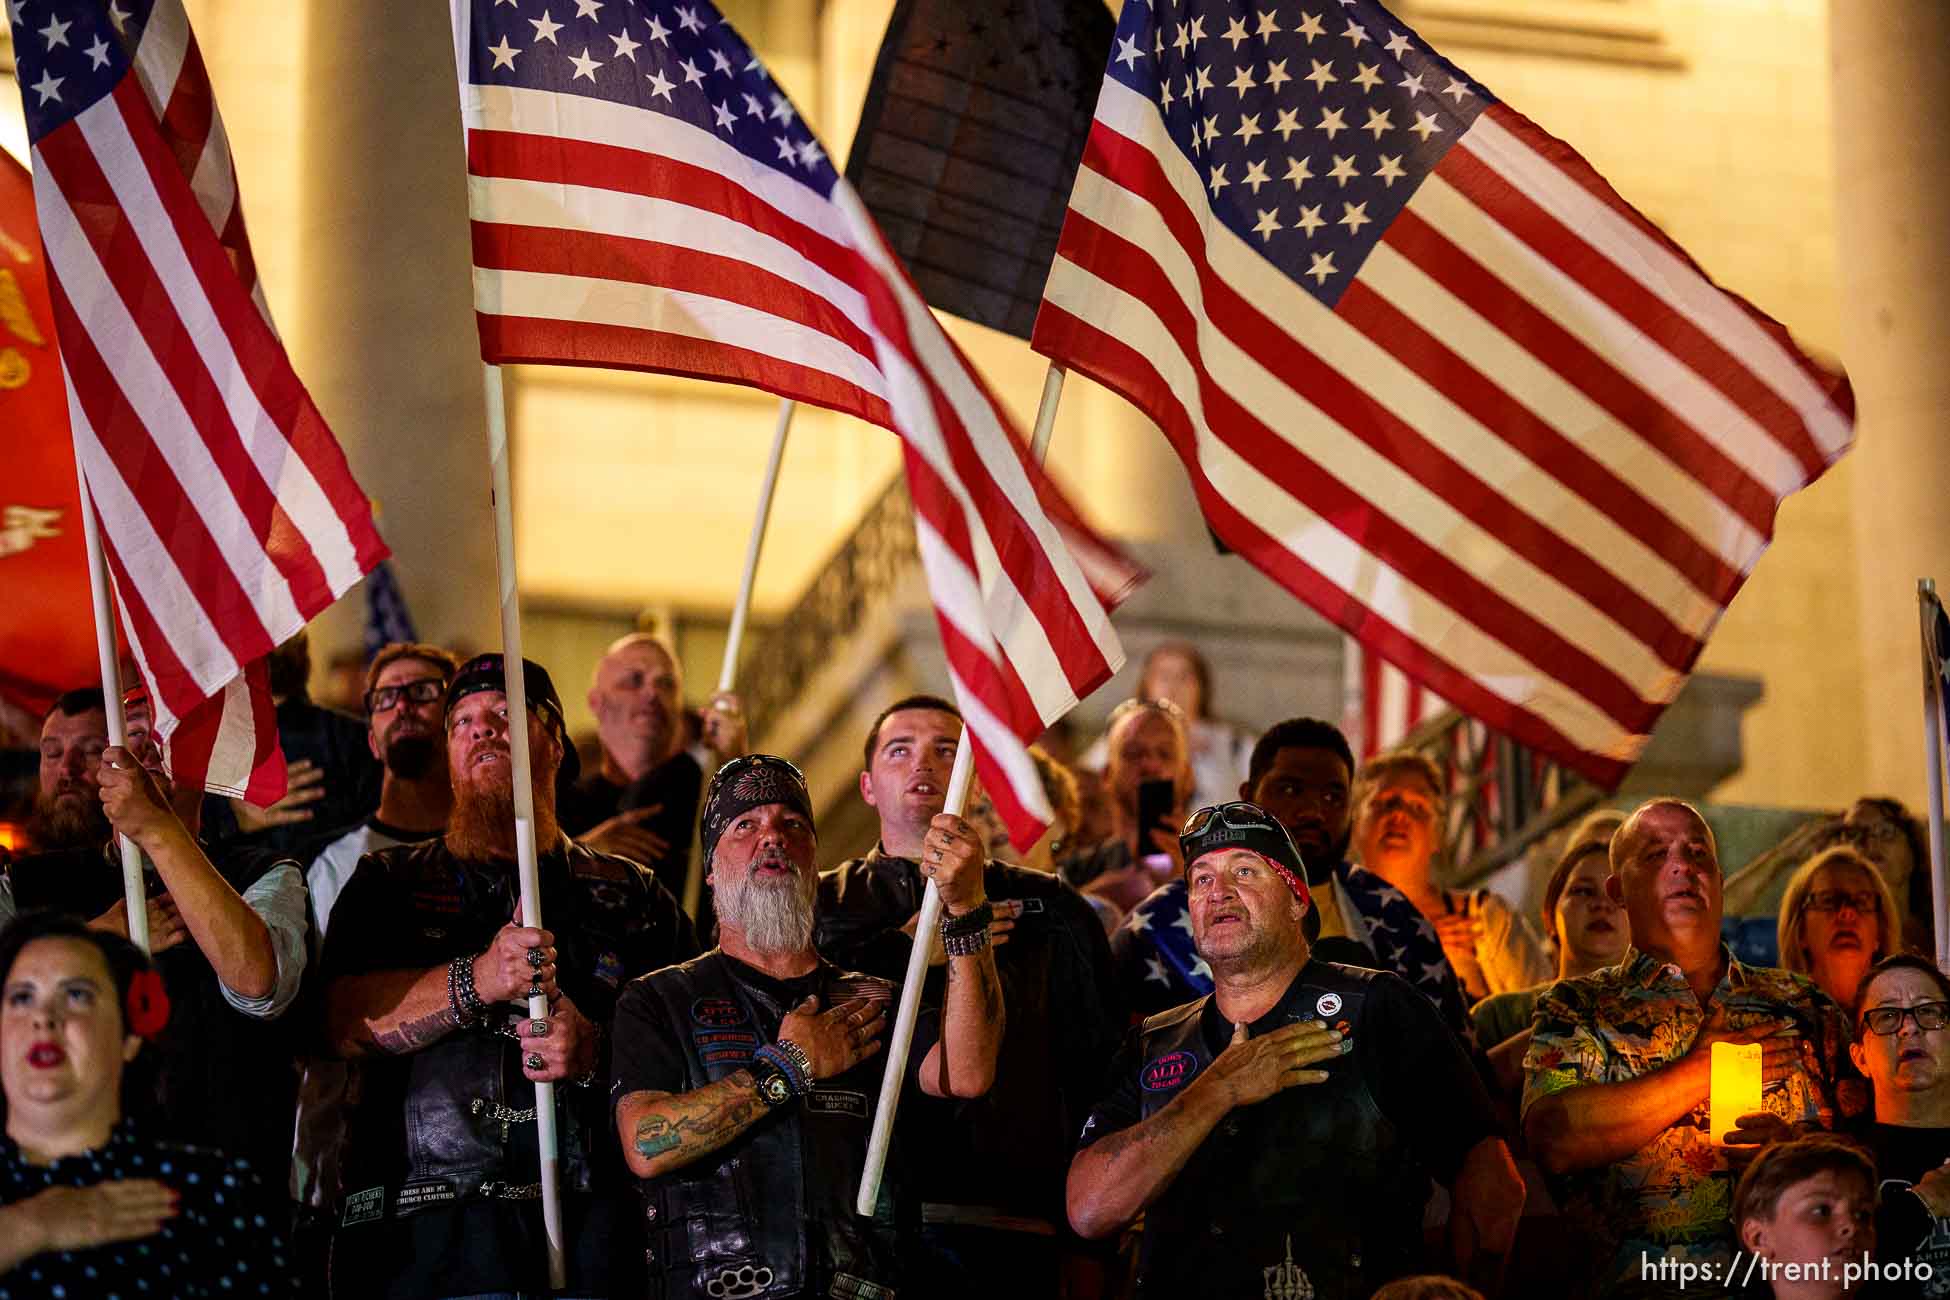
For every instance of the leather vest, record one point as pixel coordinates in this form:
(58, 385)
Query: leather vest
(751, 1220)
(1308, 1195)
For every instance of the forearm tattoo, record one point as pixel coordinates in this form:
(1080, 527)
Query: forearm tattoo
(700, 1121)
(412, 1035)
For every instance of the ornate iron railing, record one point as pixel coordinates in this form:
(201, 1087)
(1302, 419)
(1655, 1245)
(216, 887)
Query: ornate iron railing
(1503, 798)
(864, 569)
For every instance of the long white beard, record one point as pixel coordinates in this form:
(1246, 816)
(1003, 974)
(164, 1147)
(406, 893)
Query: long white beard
(776, 919)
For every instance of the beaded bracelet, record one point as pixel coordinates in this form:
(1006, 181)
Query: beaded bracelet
(967, 934)
(461, 994)
(796, 1079)
(800, 1062)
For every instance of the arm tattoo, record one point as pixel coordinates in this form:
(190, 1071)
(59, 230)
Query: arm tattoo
(412, 1035)
(703, 1120)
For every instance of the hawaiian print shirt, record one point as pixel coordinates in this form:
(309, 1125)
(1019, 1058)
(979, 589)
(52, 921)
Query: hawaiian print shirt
(1158, 968)
(1673, 1197)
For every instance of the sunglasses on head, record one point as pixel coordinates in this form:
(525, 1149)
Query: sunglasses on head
(1237, 815)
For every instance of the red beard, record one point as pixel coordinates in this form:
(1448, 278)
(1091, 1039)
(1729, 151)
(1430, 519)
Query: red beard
(482, 825)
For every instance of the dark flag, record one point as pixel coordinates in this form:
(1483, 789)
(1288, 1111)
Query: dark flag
(387, 619)
(969, 141)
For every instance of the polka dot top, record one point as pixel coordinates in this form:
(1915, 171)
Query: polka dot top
(228, 1238)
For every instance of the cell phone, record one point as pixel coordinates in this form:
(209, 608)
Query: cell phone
(1154, 804)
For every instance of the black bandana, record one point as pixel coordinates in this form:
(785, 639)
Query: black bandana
(747, 783)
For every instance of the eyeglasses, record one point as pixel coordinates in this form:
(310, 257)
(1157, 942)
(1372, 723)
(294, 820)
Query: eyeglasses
(1237, 815)
(423, 691)
(1889, 1020)
(1834, 900)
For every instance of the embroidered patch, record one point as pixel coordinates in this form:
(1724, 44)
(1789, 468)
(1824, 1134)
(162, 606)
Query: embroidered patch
(1168, 1072)
(445, 904)
(716, 1046)
(848, 1287)
(364, 1207)
(736, 1281)
(1030, 906)
(837, 1101)
(417, 1196)
(1329, 1005)
(609, 969)
(718, 1013)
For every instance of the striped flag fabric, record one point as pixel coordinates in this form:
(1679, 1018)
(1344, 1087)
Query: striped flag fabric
(228, 514)
(1425, 368)
(1384, 704)
(644, 196)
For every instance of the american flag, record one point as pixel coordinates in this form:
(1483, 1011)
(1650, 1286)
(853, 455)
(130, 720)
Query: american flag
(228, 514)
(1425, 367)
(387, 618)
(644, 196)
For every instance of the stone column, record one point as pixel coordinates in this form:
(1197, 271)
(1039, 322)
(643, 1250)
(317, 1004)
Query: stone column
(384, 329)
(1891, 64)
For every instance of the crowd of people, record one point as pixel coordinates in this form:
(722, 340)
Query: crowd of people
(1223, 1032)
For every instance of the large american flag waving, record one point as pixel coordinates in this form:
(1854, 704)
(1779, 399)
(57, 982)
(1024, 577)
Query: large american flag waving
(644, 196)
(1425, 367)
(228, 514)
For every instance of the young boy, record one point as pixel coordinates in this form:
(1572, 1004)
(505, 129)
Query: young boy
(1806, 1212)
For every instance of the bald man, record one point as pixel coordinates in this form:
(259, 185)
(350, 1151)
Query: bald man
(640, 802)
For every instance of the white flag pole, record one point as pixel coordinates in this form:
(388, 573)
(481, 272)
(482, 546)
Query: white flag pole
(1926, 598)
(135, 898)
(1046, 412)
(514, 683)
(728, 671)
(901, 1043)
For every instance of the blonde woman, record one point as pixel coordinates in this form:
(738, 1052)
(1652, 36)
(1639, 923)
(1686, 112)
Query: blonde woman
(1838, 918)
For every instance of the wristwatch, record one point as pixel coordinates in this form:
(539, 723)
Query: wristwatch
(774, 1088)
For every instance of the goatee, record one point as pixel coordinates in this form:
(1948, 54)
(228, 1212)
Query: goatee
(482, 825)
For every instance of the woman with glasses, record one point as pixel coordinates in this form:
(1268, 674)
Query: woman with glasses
(1902, 1026)
(1836, 921)
(1893, 840)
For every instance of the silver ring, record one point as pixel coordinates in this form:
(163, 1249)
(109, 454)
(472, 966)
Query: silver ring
(535, 1061)
(538, 1029)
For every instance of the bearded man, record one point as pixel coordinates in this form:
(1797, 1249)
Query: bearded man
(428, 972)
(67, 806)
(746, 1081)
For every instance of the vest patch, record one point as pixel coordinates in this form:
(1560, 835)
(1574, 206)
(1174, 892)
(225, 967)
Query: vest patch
(1168, 1072)
(364, 1207)
(837, 1101)
(609, 969)
(438, 901)
(716, 1046)
(1328, 1005)
(417, 1196)
(717, 1013)
(848, 1287)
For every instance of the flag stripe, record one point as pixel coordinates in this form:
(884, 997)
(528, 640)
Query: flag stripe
(1679, 567)
(518, 340)
(698, 270)
(1419, 538)
(1769, 419)
(1671, 441)
(1516, 148)
(1368, 599)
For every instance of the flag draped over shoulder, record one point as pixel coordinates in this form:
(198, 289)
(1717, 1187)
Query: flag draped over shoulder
(644, 196)
(1425, 367)
(969, 138)
(228, 514)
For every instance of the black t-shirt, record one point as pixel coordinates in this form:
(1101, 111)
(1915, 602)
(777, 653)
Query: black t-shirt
(650, 1054)
(1416, 1071)
(1905, 1231)
(674, 788)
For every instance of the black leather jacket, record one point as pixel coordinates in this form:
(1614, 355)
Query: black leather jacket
(1314, 1183)
(455, 1120)
(1009, 1150)
(770, 1214)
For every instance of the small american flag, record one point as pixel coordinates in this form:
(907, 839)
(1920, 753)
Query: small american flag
(1426, 368)
(228, 514)
(644, 196)
(387, 618)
